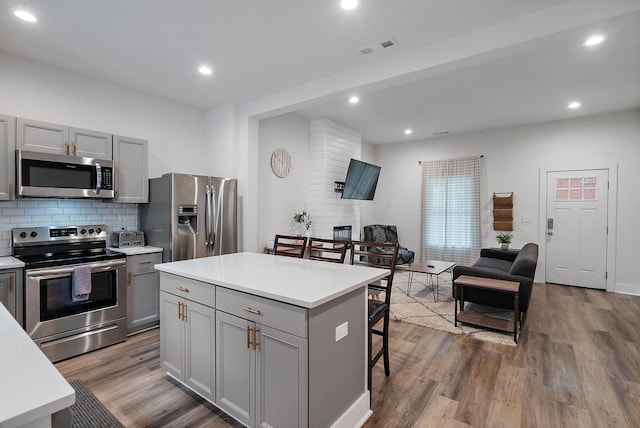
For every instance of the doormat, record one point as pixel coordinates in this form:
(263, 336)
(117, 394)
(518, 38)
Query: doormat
(419, 308)
(88, 411)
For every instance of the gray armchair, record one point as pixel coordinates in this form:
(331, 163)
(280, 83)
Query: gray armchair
(384, 233)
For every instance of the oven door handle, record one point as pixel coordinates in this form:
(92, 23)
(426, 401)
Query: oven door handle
(95, 267)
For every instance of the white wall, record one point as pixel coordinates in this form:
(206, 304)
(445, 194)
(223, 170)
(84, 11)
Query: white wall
(513, 158)
(176, 133)
(280, 198)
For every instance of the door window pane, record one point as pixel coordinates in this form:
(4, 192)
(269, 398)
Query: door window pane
(576, 189)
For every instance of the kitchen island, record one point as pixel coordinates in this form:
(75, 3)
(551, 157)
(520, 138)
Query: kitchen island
(32, 391)
(271, 340)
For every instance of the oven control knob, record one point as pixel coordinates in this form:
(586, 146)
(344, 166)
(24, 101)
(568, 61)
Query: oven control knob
(90, 231)
(33, 234)
(98, 231)
(83, 231)
(23, 235)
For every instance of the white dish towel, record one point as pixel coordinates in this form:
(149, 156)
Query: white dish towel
(81, 283)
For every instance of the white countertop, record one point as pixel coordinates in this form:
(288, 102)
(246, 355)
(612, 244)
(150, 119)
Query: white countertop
(134, 251)
(9, 262)
(31, 387)
(300, 282)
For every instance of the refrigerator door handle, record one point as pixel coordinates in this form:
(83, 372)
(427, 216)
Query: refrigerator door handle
(207, 218)
(214, 223)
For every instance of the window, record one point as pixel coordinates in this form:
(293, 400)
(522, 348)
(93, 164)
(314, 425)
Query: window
(451, 210)
(576, 189)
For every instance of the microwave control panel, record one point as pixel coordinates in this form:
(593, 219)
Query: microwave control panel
(107, 178)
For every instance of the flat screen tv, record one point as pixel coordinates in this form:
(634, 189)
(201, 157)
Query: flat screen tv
(361, 181)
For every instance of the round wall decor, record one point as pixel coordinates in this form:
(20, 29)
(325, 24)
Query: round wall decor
(280, 162)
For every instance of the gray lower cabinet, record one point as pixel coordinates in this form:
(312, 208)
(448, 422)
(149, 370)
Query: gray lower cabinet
(143, 291)
(262, 373)
(187, 343)
(11, 295)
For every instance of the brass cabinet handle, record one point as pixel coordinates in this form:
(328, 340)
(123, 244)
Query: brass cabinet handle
(184, 312)
(73, 147)
(66, 147)
(179, 310)
(186, 290)
(11, 191)
(248, 338)
(129, 275)
(255, 340)
(253, 311)
(144, 262)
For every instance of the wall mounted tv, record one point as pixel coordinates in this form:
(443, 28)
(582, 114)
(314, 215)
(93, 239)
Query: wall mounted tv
(361, 181)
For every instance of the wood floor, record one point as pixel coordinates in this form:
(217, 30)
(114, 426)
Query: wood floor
(577, 364)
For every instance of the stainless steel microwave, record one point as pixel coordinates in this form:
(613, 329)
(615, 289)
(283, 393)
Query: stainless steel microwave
(59, 176)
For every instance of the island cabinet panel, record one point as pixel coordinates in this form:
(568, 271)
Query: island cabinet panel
(187, 343)
(261, 373)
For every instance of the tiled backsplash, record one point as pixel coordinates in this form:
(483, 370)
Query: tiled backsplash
(63, 212)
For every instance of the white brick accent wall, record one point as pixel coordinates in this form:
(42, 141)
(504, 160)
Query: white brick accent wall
(331, 146)
(63, 212)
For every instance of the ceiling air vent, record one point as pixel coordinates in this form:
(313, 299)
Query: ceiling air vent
(366, 50)
(441, 133)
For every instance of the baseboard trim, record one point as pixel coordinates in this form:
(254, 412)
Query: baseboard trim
(632, 289)
(356, 415)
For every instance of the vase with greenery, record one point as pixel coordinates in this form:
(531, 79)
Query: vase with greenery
(504, 239)
(303, 220)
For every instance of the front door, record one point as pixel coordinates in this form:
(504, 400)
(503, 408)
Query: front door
(576, 240)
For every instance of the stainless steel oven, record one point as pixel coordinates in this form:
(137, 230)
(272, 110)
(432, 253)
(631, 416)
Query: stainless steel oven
(61, 325)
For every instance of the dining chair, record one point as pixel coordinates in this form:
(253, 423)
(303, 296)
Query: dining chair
(290, 246)
(382, 255)
(328, 250)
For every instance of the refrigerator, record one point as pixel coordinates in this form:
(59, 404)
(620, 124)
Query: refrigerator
(191, 216)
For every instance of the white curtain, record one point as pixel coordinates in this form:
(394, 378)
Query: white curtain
(451, 210)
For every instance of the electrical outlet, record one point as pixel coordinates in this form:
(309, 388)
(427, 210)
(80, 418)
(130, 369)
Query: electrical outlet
(342, 330)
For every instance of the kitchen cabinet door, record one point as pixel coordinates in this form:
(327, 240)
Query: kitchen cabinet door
(200, 325)
(187, 343)
(11, 295)
(90, 144)
(46, 137)
(7, 157)
(172, 335)
(130, 157)
(39, 136)
(143, 291)
(282, 381)
(235, 367)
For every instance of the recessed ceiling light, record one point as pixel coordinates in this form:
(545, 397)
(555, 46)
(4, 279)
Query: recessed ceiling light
(354, 100)
(574, 105)
(594, 40)
(349, 4)
(25, 16)
(408, 132)
(205, 70)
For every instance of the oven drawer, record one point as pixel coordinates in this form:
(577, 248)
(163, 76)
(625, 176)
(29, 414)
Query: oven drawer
(282, 316)
(198, 291)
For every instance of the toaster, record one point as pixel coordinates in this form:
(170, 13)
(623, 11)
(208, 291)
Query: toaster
(127, 239)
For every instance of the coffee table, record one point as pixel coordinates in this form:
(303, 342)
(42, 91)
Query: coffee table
(430, 267)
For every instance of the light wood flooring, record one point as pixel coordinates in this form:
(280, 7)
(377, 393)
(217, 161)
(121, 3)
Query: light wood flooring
(577, 364)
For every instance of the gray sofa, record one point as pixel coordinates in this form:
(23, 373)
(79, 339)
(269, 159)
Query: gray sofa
(508, 265)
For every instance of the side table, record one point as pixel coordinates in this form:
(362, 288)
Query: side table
(465, 281)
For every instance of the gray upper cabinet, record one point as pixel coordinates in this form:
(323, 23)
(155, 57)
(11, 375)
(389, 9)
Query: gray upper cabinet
(130, 156)
(7, 157)
(53, 138)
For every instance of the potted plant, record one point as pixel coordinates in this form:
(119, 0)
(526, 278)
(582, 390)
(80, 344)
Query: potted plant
(504, 239)
(303, 220)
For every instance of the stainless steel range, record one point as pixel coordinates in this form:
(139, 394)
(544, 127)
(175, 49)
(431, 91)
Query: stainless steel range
(75, 289)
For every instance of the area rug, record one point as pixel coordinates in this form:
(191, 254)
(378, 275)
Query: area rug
(419, 308)
(88, 411)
